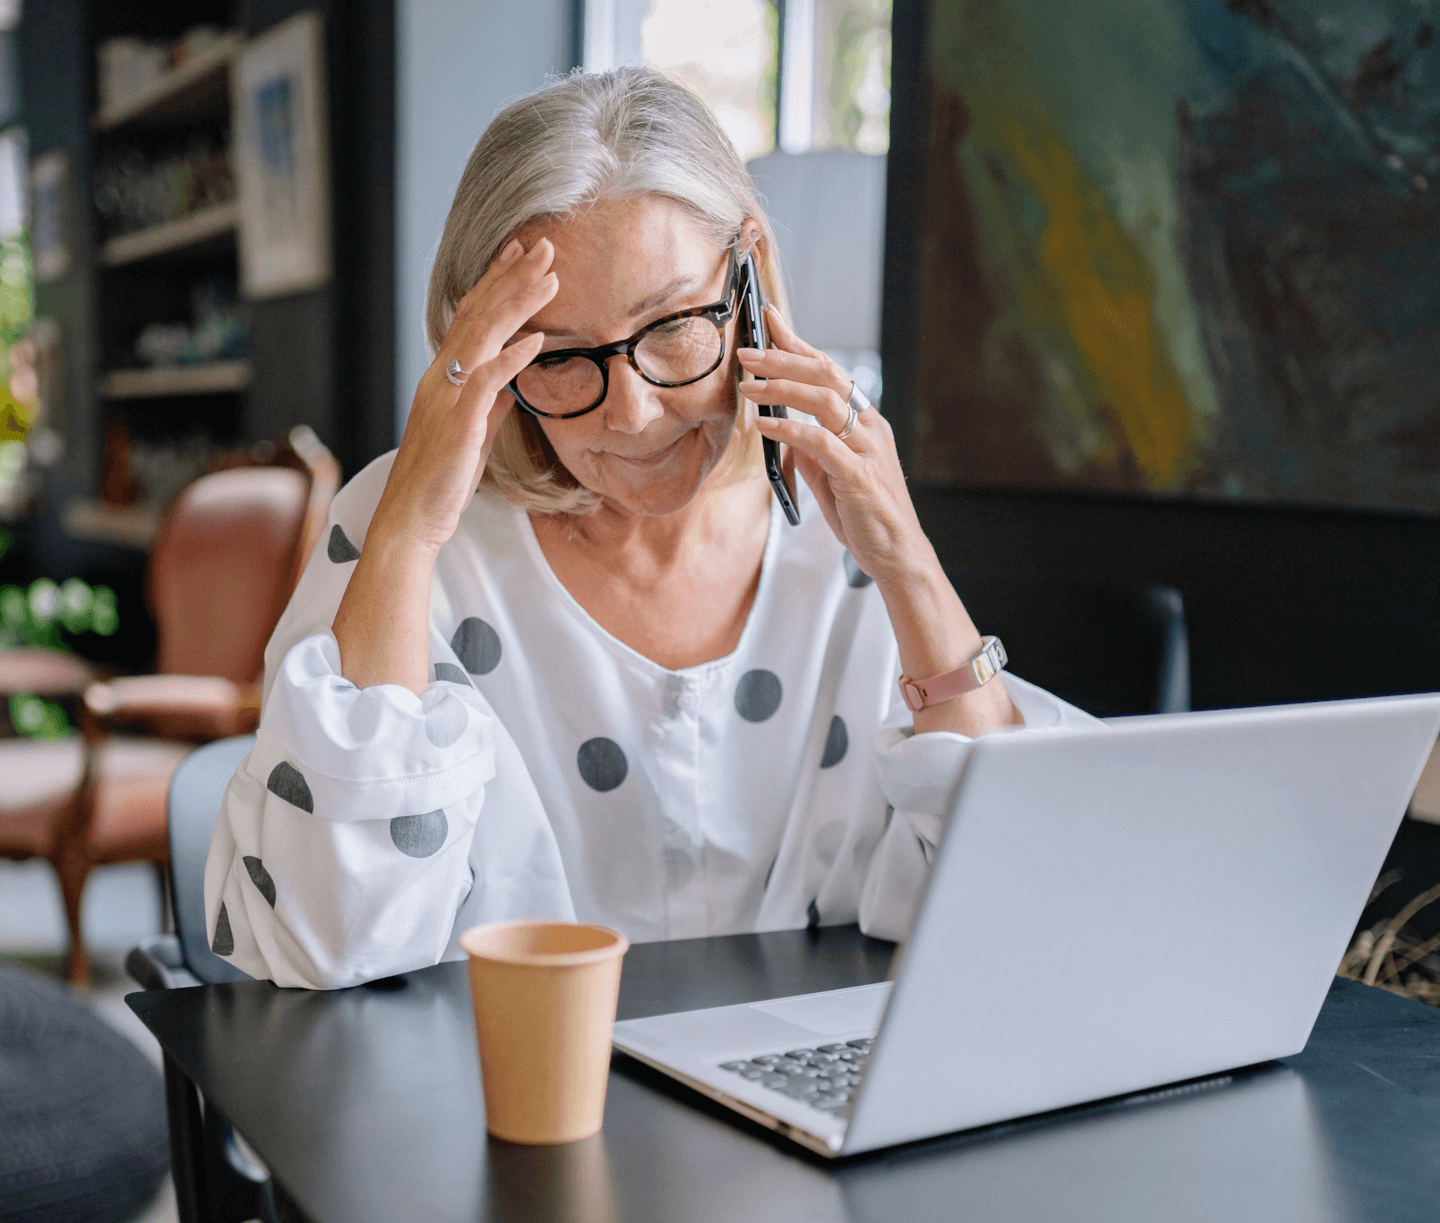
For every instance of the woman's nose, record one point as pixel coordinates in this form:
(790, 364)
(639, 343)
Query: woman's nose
(631, 404)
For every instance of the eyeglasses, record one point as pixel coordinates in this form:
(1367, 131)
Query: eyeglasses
(676, 350)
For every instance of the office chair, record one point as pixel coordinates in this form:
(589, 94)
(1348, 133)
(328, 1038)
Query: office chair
(169, 961)
(828, 213)
(1112, 650)
(239, 1181)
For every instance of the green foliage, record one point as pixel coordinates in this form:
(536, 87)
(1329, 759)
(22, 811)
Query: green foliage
(40, 616)
(37, 718)
(859, 76)
(17, 288)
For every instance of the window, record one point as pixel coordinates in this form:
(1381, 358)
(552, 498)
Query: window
(806, 75)
(851, 83)
(724, 51)
(789, 79)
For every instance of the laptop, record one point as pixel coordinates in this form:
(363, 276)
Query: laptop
(1111, 912)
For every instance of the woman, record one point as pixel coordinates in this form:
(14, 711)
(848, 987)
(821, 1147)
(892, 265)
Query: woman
(613, 684)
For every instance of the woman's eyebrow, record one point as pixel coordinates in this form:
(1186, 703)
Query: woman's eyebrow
(675, 288)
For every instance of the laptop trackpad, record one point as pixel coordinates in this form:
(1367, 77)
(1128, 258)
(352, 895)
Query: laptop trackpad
(833, 1013)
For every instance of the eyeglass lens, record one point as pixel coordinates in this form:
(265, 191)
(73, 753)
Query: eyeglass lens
(679, 350)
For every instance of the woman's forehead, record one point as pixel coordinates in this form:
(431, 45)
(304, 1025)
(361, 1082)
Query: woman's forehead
(620, 260)
(649, 228)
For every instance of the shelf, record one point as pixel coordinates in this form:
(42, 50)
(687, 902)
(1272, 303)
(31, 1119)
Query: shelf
(215, 378)
(200, 84)
(132, 526)
(199, 228)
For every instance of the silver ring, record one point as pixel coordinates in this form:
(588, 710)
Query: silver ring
(857, 403)
(452, 372)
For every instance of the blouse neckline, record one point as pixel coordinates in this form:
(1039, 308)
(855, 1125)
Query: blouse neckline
(629, 653)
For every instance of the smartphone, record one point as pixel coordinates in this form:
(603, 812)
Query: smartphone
(750, 333)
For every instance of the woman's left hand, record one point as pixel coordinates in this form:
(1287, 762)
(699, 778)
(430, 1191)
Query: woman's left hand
(857, 480)
(861, 490)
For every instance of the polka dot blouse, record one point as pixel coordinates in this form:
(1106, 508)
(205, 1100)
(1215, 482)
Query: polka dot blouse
(551, 771)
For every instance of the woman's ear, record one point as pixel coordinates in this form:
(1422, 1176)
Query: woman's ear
(752, 240)
(756, 239)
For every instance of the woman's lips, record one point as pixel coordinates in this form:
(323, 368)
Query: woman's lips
(654, 457)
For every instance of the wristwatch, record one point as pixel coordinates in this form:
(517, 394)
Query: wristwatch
(976, 673)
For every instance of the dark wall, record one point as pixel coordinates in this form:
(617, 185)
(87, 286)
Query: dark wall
(55, 107)
(1283, 605)
(327, 358)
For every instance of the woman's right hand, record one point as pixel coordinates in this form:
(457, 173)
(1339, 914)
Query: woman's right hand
(382, 624)
(452, 429)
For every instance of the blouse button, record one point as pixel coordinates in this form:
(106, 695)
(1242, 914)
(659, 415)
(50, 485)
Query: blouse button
(687, 700)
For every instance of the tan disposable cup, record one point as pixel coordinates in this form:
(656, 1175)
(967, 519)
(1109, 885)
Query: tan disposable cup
(545, 995)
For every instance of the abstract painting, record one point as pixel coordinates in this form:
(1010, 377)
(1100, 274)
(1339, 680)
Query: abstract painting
(1186, 248)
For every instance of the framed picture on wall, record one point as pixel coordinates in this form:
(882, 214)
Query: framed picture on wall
(282, 159)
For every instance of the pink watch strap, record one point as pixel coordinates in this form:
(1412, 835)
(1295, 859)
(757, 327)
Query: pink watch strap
(976, 673)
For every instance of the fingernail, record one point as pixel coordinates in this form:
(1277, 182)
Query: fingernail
(510, 251)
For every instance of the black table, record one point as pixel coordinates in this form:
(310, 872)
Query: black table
(366, 1105)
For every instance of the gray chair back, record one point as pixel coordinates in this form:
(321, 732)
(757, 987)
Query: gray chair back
(828, 213)
(195, 793)
(1112, 649)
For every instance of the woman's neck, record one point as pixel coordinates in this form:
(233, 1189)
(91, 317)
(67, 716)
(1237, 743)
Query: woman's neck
(676, 587)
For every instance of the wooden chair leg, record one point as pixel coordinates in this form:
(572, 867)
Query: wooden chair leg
(73, 872)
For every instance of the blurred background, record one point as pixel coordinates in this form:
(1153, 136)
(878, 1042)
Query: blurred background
(194, 260)
(1173, 426)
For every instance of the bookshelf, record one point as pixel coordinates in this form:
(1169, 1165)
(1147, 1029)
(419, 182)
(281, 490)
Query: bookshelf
(201, 231)
(200, 84)
(208, 378)
(169, 379)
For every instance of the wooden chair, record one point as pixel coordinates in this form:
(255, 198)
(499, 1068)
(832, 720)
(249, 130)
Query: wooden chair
(227, 558)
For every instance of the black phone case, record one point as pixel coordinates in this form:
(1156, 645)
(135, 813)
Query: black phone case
(752, 327)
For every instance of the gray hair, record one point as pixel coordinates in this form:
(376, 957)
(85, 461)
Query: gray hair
(587, 138)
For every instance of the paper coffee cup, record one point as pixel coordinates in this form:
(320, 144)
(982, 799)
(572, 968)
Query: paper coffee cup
(545, 995)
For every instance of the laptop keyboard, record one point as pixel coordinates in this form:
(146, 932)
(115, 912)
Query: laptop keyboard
(824, 1077)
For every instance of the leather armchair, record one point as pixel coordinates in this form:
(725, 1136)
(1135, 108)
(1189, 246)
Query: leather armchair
(226, 561)
(228, 556)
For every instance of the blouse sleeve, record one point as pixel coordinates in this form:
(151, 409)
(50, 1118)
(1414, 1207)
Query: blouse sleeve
(342, 852)
(919, 776)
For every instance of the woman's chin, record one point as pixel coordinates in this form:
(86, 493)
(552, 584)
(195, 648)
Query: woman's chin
(652, 498)
(653, 490)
